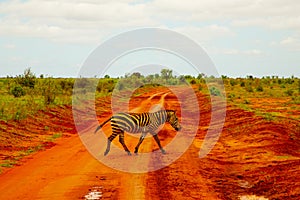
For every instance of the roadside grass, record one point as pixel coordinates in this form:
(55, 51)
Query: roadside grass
(46, 92)
(54, 137)
(8, 163)
(15, 158)
(272, 98)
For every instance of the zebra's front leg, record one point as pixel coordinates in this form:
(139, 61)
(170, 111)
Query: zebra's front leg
(140, 142)
(121, 140)
(158, 142)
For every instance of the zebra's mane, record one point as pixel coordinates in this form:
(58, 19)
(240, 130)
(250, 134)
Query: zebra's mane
(152, 112)
(167, 111)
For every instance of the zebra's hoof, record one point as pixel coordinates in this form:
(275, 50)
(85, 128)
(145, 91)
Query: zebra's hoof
(105, 153)
(128, 152)
(163, 151)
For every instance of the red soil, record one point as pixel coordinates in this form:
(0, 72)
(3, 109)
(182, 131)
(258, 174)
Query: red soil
(252, 156)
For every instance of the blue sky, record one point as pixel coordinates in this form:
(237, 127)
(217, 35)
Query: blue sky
(258, 37)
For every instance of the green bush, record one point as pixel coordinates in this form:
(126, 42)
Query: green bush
(17, 91)
(108, 85)
(67, 84)
(231, 95)
(249, 88)
(193, 81)
(246, 101)
(259, 88)
(27, 79)
(200, 87)
(279, 81)
(289, 92)
(214, 91)
(49, 91)
(233, 82)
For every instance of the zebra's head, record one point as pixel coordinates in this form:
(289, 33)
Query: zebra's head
(173, 119)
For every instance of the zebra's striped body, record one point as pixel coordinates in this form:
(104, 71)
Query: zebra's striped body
(139, 123)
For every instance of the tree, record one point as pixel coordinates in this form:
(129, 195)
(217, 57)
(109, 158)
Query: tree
(27, 79)
(136, 74)
(166, 73)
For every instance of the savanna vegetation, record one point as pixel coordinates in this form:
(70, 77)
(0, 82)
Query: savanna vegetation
(43, 98)
(27, 93)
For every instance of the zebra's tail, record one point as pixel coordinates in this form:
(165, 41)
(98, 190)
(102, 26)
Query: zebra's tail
(100, 126)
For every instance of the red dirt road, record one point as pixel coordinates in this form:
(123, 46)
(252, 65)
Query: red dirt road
(252, 157)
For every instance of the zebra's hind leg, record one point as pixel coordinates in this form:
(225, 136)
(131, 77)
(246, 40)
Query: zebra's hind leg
(109, 140)
(158, 142)
(140, 142)
(121, 140)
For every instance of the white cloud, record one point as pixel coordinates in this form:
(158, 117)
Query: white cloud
(292, 43)
(88, 21)
(82, 21)
(231, 51)
(275, 14)
(9, 46)
(206, 33)
(253, 52)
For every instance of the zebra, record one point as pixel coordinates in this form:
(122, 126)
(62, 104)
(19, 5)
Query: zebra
(139, 123)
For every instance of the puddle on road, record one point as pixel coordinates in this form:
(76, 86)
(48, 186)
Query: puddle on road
(94, 194)
(252, 197)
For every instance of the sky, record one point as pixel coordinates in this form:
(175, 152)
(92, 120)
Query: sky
(242, 37)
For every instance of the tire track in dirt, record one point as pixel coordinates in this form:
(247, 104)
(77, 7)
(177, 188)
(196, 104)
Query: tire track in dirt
(182, 179)
(135, 188)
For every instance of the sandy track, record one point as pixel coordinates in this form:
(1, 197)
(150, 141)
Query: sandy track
(49, 174)
(68, 171)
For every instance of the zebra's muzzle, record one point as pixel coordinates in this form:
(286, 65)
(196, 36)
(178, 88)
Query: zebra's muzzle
(178, 128)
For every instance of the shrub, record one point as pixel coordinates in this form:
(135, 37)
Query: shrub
(82, 83)
(233, 82)
(119, 86)
(193, 81)
(200, 87)
(27, 79)
(17, 91)
(214, 91)
(289, 80)
(246, 101)
(174, 81)
(49, 91)
(279, 81)
(242, 84)
(282, 86)
(231, 95)
(259, 88)
(289, 92)
(182, 79)
(249, 88)
(67, 84)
